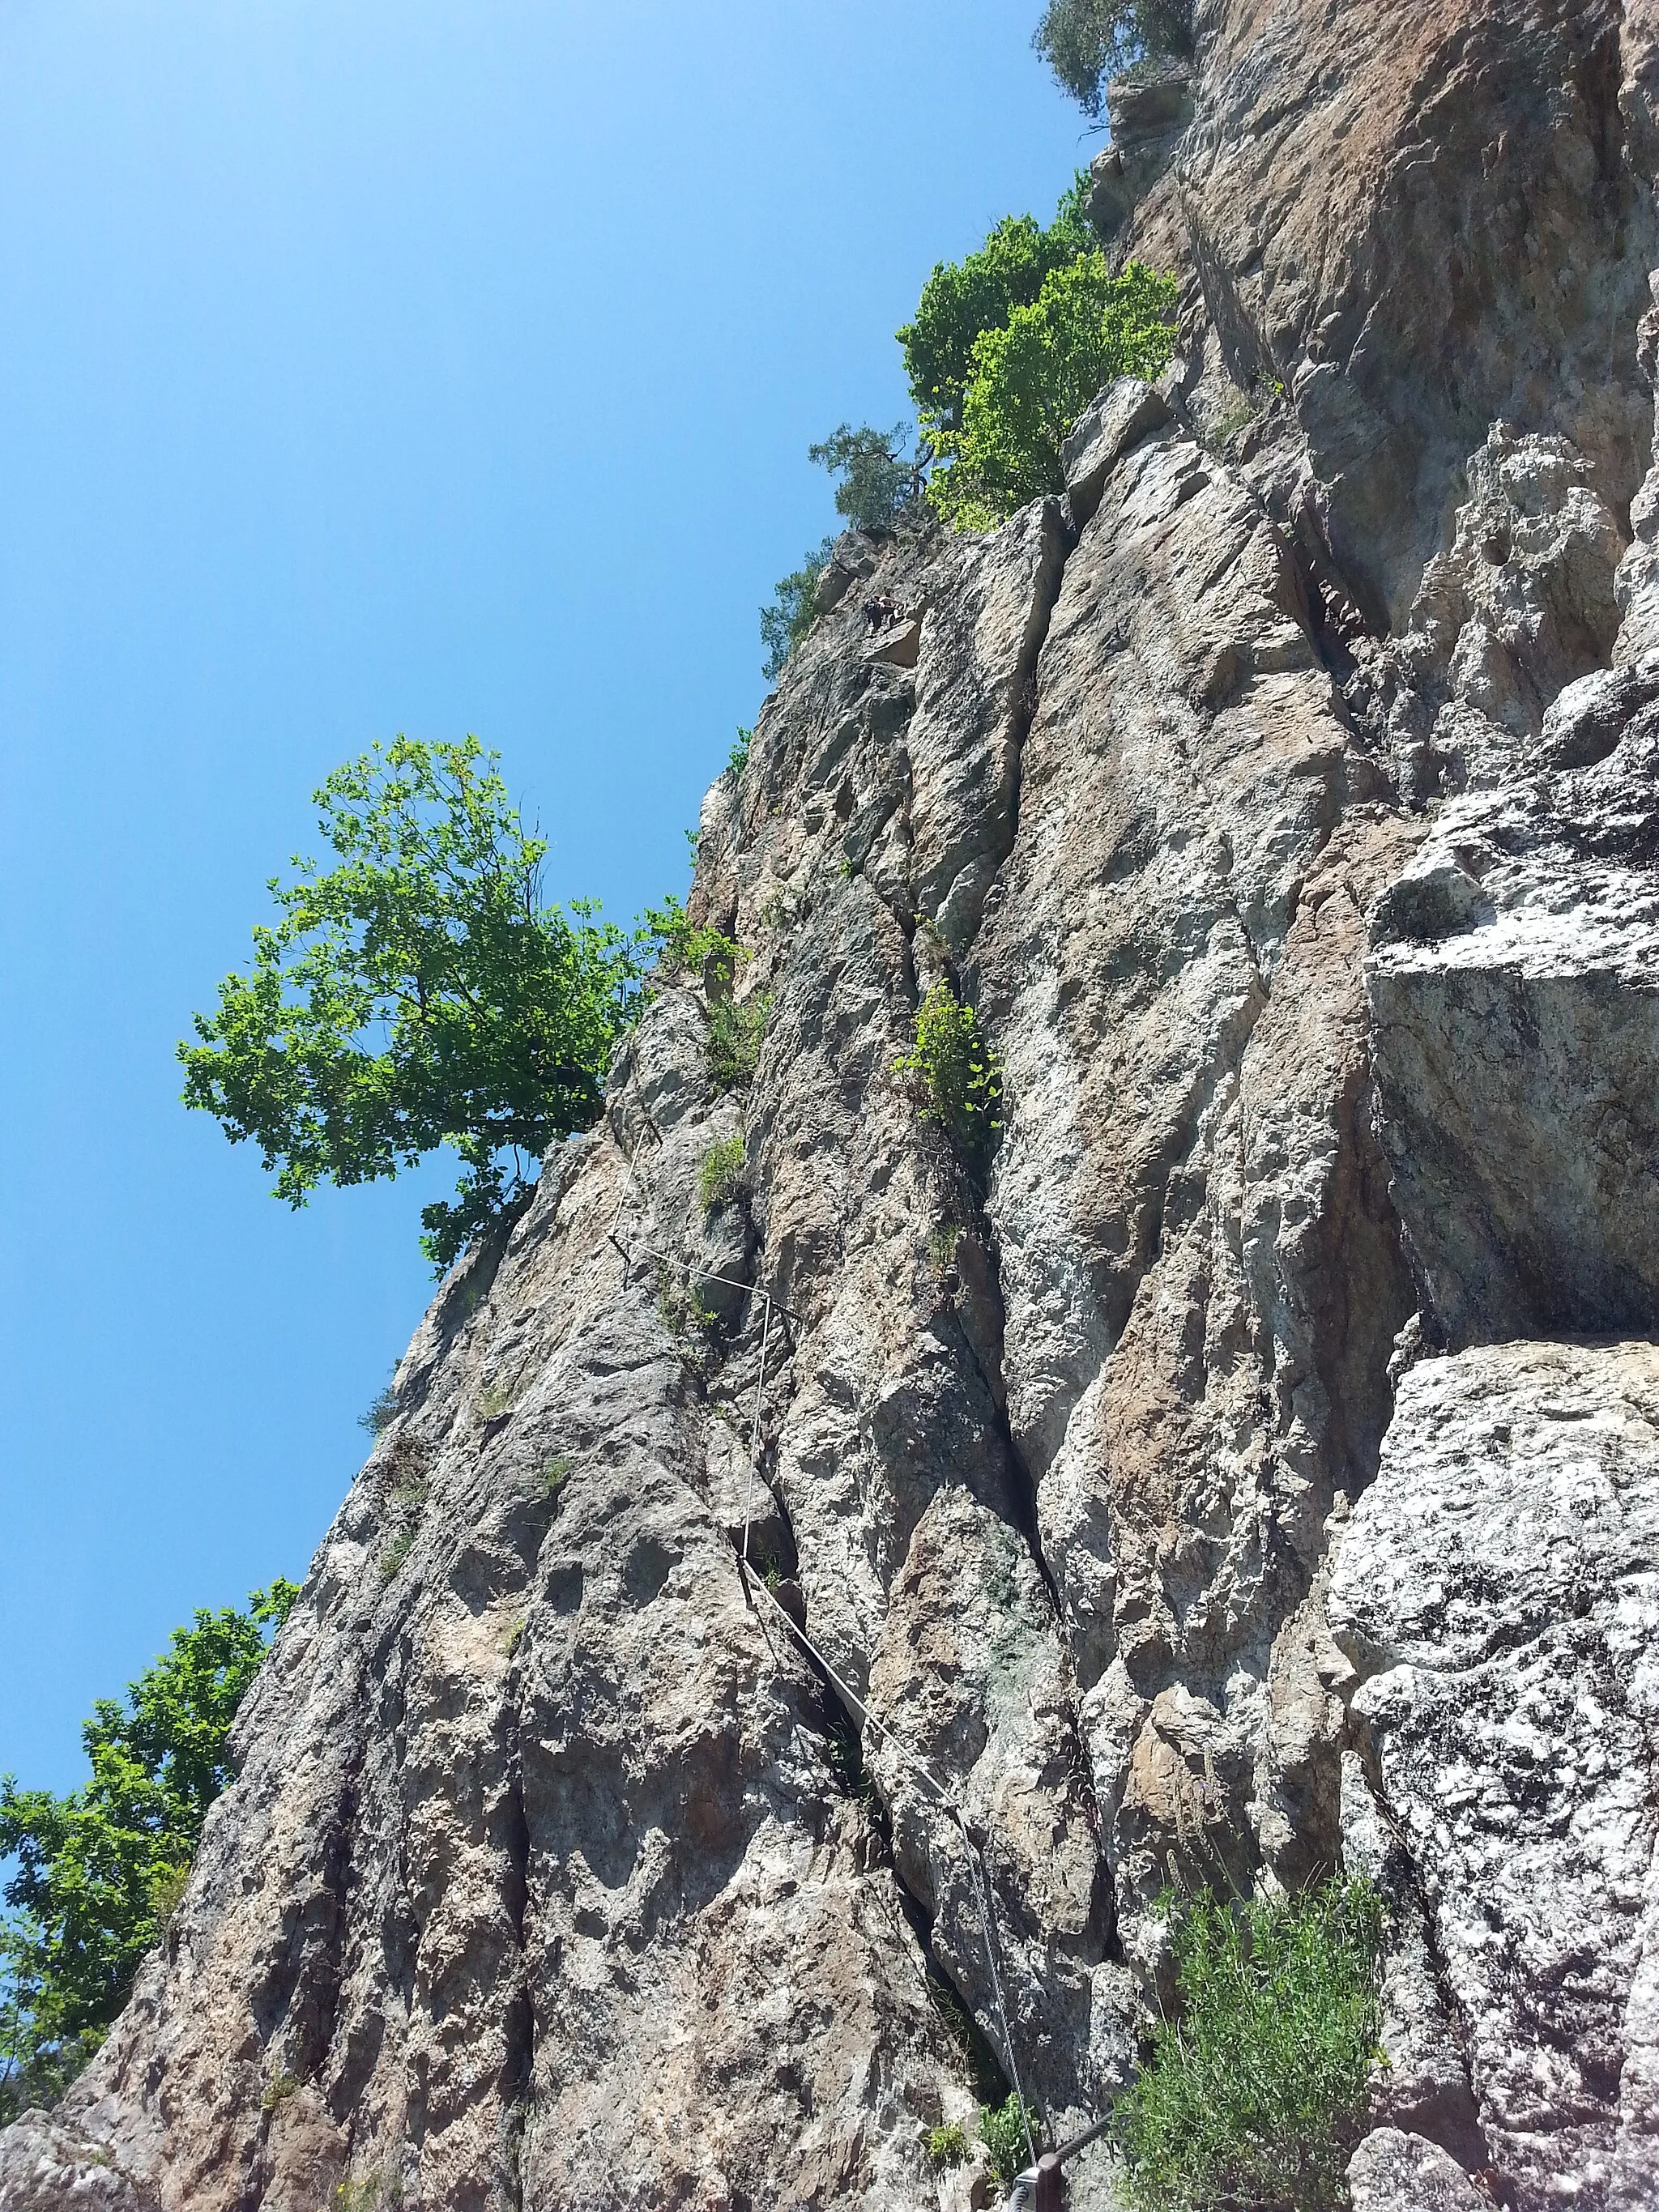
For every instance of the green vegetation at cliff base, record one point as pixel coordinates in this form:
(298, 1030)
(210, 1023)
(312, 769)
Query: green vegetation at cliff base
(100, 1871)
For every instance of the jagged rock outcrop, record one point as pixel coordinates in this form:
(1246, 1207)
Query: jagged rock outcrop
(1498, 1591)
(1255, 1464)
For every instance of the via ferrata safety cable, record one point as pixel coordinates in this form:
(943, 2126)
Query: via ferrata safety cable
(752, 1584)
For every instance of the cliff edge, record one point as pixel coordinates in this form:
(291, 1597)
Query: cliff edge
(1260, 1467)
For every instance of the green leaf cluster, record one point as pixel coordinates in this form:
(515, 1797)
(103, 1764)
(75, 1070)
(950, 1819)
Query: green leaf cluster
(979, 292)
(737, 1027)
(874, 478)
(956, 1074)
(1256, 2091)
(719, 1177)
(99, 1872)
(788, 617)
(1003, 2130)
(1086, 43)
(1033, 378)
(416, 993)
(947, 2145)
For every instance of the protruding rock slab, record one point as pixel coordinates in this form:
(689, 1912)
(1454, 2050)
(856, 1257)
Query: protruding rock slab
(1514, 989)
(47, 2168)
(1498, 1588)
(1392, 2171)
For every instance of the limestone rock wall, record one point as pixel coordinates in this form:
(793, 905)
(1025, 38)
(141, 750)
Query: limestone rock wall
(1256, 1464)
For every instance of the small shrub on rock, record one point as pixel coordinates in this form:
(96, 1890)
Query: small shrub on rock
(1003, 2130)
(787, 620)
(873, 477)
(1254, 2093)
(954, 1075)
(721, 1175)
(382, 1412)
(947, 2145)
(737, 1030)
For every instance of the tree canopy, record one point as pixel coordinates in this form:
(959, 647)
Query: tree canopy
(418, 992)
(789, 617)
(1086, 43)
(1034, 377)
(99, 1871)
(979, 292)
(874, 478)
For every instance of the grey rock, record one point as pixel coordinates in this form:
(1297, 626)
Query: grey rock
(1496, 1589)
(1124, 412)
(47, 2167)
(899, 646)
(1394, 2172)
(1587, 718)
(834, 583)
(1514, 990)
(1290, 821)
(1422, 2086)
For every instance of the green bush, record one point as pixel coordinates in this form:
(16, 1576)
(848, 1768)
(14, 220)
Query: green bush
(1033, 379)
(874, 483)
(738, 758)
(1003, 2130)
(706, 956)
(1255, 2092)
(721, 1175)
(955, 1074)
(786, 621)
(947, 2145)
(382, 1412)
(737, 1030)
(419, 993)
(99, 1873)
(1086, 43)
(397, 1550)
(979, 292)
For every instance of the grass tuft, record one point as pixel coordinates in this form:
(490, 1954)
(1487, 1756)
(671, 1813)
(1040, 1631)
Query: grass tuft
(721, 1175)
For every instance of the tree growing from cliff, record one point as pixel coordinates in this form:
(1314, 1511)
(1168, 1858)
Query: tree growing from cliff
(874, 478)
(979, 292)
(1032, 378)
(99, 1870)
(417, 993)
(1086, 43)
(787, 620)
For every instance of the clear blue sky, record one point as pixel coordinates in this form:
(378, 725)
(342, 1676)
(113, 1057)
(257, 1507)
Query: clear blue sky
(418, 365)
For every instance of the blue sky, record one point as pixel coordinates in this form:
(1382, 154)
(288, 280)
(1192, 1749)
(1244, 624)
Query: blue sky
(393, 366)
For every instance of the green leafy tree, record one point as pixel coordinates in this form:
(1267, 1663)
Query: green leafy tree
(1033, 378)
(873, 477)
(417, 993)
(789, 617)
(955, 1076)
(979, 292)
(1086, 43)
(1256, 2091)
(99, 1871)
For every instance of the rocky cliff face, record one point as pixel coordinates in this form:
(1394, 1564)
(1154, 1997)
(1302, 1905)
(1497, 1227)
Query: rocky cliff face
(1261, 1465)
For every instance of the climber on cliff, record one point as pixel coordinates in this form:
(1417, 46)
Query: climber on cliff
(880, 613)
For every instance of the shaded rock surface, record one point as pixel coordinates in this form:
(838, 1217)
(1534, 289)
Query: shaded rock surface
(1282, 796)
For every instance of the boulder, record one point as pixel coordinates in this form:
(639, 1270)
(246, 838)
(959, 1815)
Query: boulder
(1395, 2172)
(1496, 1589)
